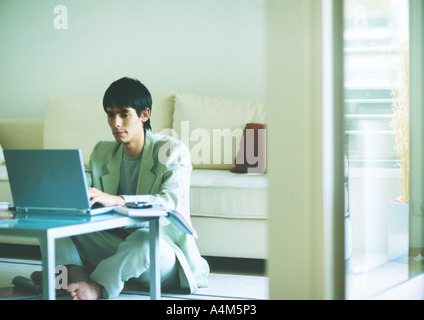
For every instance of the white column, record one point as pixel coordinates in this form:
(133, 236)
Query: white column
(416, 199)
(306, 257)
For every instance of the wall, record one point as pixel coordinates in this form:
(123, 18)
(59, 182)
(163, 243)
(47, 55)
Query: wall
(208, 47)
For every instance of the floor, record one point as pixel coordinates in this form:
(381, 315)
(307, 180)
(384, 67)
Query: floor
(233, 279)
(230, 279)
(369, 276)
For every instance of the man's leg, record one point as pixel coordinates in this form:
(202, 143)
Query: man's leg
(81, 287)
(66, 254)
(93, 248)
(132, 260)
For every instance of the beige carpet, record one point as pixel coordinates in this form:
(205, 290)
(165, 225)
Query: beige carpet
(221, 286)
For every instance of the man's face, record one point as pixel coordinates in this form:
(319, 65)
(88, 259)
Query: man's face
(125, 124)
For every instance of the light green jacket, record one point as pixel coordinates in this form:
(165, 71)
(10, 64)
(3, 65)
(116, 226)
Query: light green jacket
(164, 178)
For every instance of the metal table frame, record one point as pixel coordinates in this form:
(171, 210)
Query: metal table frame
(48, 230)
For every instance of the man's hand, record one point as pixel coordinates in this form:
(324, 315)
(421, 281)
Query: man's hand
(105, 199)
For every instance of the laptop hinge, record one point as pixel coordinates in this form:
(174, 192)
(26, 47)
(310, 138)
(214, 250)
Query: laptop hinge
(27, 210)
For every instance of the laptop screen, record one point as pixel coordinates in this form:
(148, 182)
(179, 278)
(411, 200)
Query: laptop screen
(47, 178)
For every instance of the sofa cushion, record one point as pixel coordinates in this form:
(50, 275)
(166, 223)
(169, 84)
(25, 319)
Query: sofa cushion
(162, 111)
(75, 123)
(80, 122)
(212, 127)
(21, 133)
(223, 194)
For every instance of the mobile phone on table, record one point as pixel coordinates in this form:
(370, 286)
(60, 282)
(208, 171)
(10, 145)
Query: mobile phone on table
(138, 205)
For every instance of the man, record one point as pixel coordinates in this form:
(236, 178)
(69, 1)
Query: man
(138, 166)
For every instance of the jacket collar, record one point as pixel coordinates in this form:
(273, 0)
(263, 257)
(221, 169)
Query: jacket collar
(146, 177)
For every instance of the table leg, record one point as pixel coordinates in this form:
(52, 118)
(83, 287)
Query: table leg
(155, 289)
(47, 245)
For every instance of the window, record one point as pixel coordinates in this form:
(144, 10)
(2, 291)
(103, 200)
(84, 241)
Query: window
(375, 32)
(375, 46)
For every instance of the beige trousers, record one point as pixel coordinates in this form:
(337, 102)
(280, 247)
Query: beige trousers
(112, 260)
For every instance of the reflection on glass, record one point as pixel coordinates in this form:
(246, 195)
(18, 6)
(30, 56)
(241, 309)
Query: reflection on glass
(376, 52)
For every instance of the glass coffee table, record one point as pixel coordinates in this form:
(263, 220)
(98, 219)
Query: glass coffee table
(47, 229)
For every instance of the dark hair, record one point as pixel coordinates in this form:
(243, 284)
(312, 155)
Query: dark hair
(127, 92)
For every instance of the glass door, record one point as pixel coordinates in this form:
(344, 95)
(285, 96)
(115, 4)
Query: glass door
(376, 57)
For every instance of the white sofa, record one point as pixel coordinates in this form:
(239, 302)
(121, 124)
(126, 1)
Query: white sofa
(229, 210)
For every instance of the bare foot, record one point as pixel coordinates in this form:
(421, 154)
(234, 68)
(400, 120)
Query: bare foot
(36, 277)
(80, 286)
(84, 291)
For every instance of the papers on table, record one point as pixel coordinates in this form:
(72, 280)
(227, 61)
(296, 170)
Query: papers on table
(176, 218)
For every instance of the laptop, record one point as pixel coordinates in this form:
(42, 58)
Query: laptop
(49, 182)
